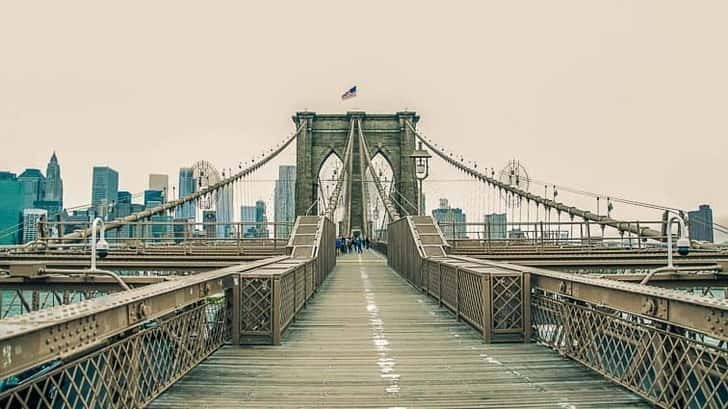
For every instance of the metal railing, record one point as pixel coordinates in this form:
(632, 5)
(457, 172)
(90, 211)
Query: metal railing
(670, 366)
(123, 349)
(128, 373)
(551, 234)
(159, 233)
(21, 295)
(669, 347)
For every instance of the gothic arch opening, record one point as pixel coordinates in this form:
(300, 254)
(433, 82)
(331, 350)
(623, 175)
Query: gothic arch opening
(326, 178)
(376, 215)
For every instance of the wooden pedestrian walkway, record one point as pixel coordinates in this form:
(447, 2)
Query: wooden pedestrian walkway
(368, 339)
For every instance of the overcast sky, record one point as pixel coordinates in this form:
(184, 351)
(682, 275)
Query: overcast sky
(623, 97)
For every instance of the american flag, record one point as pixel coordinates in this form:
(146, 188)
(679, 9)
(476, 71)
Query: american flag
(351, 93)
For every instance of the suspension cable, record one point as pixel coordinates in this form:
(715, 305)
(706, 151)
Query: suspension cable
(336, 194)
(547, 203)
(118, 223)
(364, 153)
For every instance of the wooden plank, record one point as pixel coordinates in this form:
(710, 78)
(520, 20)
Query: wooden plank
(369, 339)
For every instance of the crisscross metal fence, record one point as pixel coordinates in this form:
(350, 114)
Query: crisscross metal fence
(127, 373)
(672, 367)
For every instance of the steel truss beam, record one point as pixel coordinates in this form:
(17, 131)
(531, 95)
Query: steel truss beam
(42, 336)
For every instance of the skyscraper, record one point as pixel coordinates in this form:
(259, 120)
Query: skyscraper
(284, 201)
(11, 208)
(30, 223)
(261, 219)
(123, 209)
(495, 226)
(209, 216)
(104, 189)
(54, 182)
(153, 198)
(33, 183)
(186, 187)
(224, 208)
(247, 217)
(160, 182)
(700, 223)
(451, 220)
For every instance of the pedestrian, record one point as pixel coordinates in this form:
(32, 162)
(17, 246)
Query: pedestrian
(366, 242)
(338, 247)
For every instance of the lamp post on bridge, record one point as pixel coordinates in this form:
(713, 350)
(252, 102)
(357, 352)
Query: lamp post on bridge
(421, 159)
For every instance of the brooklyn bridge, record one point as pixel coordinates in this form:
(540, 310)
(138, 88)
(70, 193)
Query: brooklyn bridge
(557, 306)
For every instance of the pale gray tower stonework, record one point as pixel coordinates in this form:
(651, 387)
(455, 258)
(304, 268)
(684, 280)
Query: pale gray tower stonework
(327, 134)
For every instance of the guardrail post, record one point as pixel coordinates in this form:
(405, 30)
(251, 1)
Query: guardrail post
(276, 313)
(639, 236)
(486, 306)
(439, 286)
(457, 293)
(526, 303)
(425, 276)
(237, 307)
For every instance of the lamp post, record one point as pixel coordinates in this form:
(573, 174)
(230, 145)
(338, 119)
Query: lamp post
(421, 159)
(683, 246)
(102, 246)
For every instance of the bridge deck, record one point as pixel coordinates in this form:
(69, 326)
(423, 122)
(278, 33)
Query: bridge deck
(368, 339)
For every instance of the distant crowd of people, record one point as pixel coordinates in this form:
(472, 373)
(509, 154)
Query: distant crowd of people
(346, 245)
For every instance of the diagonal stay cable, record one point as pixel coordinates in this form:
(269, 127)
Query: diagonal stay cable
(364, 152)
(118, 223)
(336, 194)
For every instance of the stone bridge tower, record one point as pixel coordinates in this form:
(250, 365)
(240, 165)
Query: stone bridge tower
(327, 134)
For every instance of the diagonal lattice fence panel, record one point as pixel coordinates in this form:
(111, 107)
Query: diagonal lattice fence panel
(671, 367)
(130, 372)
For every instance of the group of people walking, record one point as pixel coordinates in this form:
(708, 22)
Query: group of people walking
(346, 245)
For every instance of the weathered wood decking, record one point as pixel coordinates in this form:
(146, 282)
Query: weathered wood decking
(368, 339)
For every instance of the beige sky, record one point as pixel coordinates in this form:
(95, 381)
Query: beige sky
(610, 96)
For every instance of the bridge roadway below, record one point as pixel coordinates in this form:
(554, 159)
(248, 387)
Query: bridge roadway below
(369, 339)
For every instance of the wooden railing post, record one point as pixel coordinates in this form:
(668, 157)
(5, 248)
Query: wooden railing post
(276, 313)
(487, 320)
(439, 286)
(457, 293)
(526, 303)
(237, 309)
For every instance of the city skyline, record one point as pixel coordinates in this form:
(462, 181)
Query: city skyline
(38, 189)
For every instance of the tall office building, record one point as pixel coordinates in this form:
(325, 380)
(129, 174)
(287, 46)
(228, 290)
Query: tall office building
(153, 198)
(123, 209)
(186, 187)
(247, 217)
(11, 208)
(161, 183)
(700, 223)
(54, 182)
(284, 201)
(30, 223)
(209, 216)
(224, 208)
(123, 196)
(33, 183)
(495, 226)
(261, 219)
(104, 189)
(451, 220)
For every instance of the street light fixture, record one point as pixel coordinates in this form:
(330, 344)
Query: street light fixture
(683, 246)
(421, 160)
